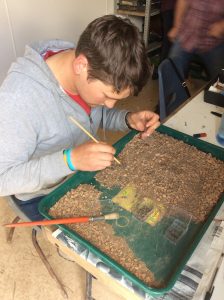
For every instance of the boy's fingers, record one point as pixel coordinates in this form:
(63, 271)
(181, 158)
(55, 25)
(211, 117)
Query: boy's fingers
(150, 130)
(103, 147)
(153, 120)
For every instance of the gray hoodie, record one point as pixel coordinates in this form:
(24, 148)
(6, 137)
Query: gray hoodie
(34, 125)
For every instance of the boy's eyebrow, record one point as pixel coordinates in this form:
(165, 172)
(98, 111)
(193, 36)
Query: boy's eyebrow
(115, 99)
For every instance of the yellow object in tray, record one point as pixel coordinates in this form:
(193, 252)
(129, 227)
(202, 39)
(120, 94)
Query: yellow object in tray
(145, 209)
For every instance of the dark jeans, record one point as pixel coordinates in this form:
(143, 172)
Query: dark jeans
(30, 208)
(213, 60)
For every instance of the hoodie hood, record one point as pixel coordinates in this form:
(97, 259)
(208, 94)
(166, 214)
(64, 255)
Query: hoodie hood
(32, 64)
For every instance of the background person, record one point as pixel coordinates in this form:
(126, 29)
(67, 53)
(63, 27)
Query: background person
(199, 29)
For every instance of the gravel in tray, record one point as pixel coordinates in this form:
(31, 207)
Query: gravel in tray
(83, 201)
(169, 171)
(161, 168)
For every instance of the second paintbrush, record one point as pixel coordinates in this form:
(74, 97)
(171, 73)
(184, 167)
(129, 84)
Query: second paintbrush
(112, 216)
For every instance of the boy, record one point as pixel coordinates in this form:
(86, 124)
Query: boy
(39, 146)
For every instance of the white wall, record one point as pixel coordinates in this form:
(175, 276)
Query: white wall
(24, 21)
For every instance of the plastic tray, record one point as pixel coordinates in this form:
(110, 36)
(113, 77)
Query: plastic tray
(167, 246)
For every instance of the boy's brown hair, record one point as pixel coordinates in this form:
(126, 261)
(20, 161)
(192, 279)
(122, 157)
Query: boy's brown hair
(115, 52)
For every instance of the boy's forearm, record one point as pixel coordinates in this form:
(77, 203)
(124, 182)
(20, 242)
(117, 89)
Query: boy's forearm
(115, 119)
(34, 175)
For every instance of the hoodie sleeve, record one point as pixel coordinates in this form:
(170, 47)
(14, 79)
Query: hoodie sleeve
(114, 119)
(20, 172)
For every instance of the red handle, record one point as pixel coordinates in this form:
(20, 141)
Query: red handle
(50, 222)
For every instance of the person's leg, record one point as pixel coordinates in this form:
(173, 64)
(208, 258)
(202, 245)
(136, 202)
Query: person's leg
(214, 60)
(30, 208)
(184, 57)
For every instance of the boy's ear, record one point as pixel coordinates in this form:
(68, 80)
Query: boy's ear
(80, 64)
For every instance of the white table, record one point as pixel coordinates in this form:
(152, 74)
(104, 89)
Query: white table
(195, 117)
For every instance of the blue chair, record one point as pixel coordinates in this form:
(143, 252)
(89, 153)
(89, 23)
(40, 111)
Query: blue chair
(173, 90)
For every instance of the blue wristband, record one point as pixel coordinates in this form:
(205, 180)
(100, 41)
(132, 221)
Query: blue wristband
(68, 159)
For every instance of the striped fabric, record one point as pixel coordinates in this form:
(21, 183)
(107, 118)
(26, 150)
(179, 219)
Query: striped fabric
(199, 16)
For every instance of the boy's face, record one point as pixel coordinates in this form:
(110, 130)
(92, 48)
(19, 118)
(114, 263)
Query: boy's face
(95, 92)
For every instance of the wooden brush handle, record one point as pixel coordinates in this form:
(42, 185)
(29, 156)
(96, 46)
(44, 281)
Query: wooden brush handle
(112, 216)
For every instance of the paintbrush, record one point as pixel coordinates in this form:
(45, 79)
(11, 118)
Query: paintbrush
(112, 216)
(88, 133)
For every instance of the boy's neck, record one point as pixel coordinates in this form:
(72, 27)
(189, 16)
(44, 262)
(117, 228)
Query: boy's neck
(61, 65)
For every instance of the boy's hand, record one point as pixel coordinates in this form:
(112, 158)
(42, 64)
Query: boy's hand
(145, 121)
(92, 156)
